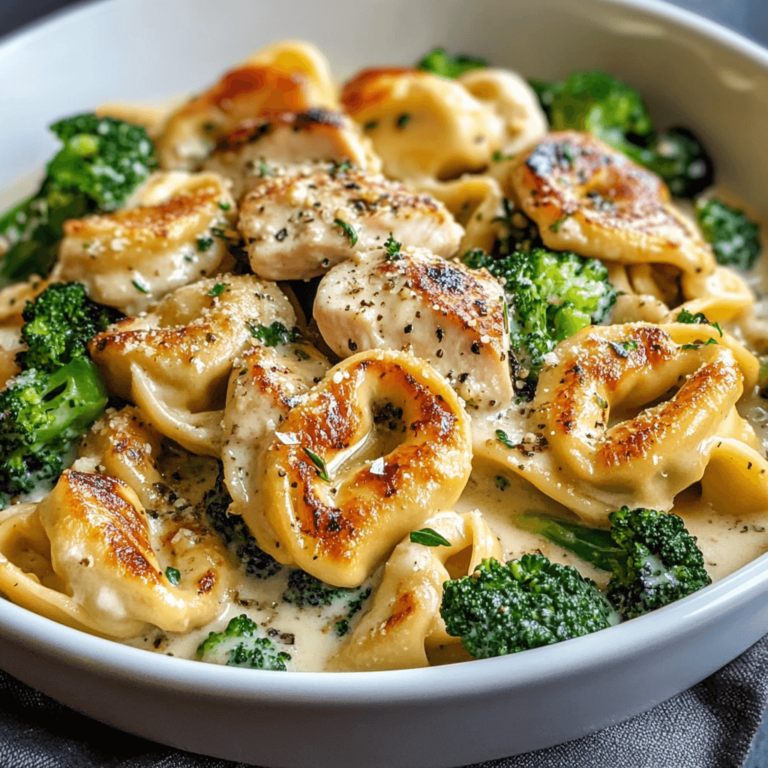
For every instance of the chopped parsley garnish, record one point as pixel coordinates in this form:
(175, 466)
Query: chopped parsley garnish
(224, 205)
(393, 249)
(272, 335)
(623, 348)
(173, 575)
(503, 438)
(429, 538)
(348, 231)
(369, 126)
(339, 168)
(556, 226)
(403, 120)
(498, 156)
(322, 472)
(706, 343)
(601, 402)
(218, 289)
(684, 316)
(264, 169)
(502, 483)
(204, 243)
(139, 287)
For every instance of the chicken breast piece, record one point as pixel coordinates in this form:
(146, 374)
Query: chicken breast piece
(298, 227)
(253, 150)
(449, 315)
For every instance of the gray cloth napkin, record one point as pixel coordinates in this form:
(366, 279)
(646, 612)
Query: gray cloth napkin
(712, 725)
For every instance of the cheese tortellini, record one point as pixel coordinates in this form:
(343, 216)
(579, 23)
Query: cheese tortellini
(174, 362)
(87, 557)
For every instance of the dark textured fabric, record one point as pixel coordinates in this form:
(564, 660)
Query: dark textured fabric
(709, 726)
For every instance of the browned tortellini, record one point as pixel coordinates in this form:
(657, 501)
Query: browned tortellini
(596, 436)
(377, 445)
(124, 445)
(284, 77)
(426, 126)
(589, 198)
(87, 557)
(403, 628)
(173, 231)
(174, 361)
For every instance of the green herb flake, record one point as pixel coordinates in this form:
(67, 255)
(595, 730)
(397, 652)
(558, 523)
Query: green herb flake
(556, 226)
(337, 169)
(623, 348)
(393, 249)
(601, 402)
(224, 205)
(218, 289)
(173, 575)
(369, 126)
(139, 287)
(429, 538)
(706, 343)
(322, 472)
(501, 482)
(274, 334)
(348, 231)
(264, 169)
(204, 243)
(403, 120)
(498, 156)
(684, 316)
(503, 438)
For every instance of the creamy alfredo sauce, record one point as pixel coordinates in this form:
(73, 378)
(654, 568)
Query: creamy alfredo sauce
(728, 538)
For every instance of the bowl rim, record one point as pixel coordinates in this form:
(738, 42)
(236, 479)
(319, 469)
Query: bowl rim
(489, 676)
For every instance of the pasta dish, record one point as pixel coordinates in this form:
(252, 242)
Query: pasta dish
(441, 364)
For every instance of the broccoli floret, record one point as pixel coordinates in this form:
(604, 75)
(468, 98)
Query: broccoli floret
(234, 531)
(550, 296)
(598, 103)
(101, 163)
(59, 324)
(616, 113)
(660, 562)
(733, 237)
(304, 590)
(679, 158)
(240, 645)
(440, 62)
(41, 415)
(527, 603)
(653, 558)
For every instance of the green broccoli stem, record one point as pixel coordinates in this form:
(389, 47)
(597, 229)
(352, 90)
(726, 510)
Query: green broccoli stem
(592, 545)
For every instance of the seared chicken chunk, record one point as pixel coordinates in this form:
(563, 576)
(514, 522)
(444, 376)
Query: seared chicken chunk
(252, 151)
(441, 311)
(297, 227)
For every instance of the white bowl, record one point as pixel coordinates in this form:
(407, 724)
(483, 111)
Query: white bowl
(692, 72)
